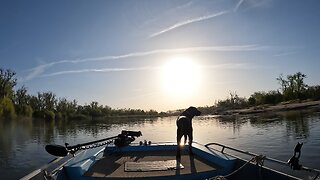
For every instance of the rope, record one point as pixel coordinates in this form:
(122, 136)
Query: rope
(232, 173)
(259, 161)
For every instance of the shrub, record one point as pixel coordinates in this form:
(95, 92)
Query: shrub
(78, 117)
(27, 111)
(59, 116)
(49, 115)
(45, 114)
(7, 109)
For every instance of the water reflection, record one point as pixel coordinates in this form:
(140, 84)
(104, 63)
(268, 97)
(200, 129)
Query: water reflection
(275, 134)
(296, 122)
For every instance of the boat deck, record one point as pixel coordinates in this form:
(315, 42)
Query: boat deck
(113, 166)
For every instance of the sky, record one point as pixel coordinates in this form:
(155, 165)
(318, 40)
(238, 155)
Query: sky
(160, 55)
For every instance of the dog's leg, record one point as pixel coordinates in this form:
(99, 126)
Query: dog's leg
(179, 136)
(190, 143)
(185, 139)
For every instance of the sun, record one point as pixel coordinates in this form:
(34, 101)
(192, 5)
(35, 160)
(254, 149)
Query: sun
(180, 76)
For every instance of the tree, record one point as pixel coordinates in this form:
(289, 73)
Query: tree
(7, 83)
(107, 110)
(43, 105)
(35, 103)
(313, 92)
(65, 108)
(234, 102)
(49, 100)
(284, 83)
(293, 86)
(26, 111)
(22, 100)
(300, 86)
(258, 98)
(95, 109)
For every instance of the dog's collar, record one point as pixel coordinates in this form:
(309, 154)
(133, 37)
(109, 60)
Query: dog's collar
(183, 117)
(188, 114)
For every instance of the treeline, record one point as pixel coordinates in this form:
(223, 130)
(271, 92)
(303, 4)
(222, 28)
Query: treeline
(47, 105)
(292, 88)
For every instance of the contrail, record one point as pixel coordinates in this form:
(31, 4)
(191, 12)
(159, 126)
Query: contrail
(250, 47)
(237, 6)
(36, 71)
(189, 21)
(285, 53)
(218, 66)
(97, 70)
(229, 66)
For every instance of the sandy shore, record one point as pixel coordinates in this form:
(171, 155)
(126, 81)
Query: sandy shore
(279, 107)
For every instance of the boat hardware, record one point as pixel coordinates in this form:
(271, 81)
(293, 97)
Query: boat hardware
(294, 161)
(296, 150)
(123, 139)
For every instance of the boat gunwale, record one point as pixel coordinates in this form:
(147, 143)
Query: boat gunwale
(95, 153)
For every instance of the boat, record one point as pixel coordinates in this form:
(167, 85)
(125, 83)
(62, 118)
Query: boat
(118, 157)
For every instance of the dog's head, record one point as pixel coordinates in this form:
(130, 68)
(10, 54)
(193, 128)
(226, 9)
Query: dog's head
(191, 112)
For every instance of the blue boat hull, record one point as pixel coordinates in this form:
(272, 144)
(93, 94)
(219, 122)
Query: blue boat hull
(78, 166)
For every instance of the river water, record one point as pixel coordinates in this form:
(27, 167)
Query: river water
(275, 135)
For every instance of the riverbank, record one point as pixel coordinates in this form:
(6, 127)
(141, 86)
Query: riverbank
(284, 106)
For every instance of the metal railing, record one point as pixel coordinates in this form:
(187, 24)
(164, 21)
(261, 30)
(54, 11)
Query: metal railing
(255, 155)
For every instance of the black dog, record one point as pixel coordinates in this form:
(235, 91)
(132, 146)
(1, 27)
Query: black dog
(184, 127)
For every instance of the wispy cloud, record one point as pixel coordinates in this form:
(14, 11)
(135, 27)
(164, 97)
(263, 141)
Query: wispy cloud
(249, 47)
(186, 22)
(103, 70)
(228, 66)
(232, 66)
(96, 70)
(285, 53)
(258, 4)
(252, 4)
(35, 72)
(188, 4)
(169, 11)
(38, 70)
(235, 9)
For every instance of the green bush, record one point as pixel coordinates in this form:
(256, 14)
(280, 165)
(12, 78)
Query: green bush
(45, 114)
(59, 116)
(27, 111)
(7, 109)
(79, 117)
(49, 115)
(38, 114)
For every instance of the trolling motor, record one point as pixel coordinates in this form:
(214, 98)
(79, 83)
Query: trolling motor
(121, 140)
(126, 137)
(294, 161)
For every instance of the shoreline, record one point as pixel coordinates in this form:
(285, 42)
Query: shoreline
(284, 106)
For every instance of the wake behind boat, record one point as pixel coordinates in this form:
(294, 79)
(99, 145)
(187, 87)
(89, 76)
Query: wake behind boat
(117, 158)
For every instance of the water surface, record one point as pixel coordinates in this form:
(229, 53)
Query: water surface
(22, 142)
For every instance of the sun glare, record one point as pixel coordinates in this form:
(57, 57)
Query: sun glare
(180, 76)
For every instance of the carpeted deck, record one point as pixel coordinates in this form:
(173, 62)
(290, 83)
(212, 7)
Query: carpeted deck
(114, 165)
